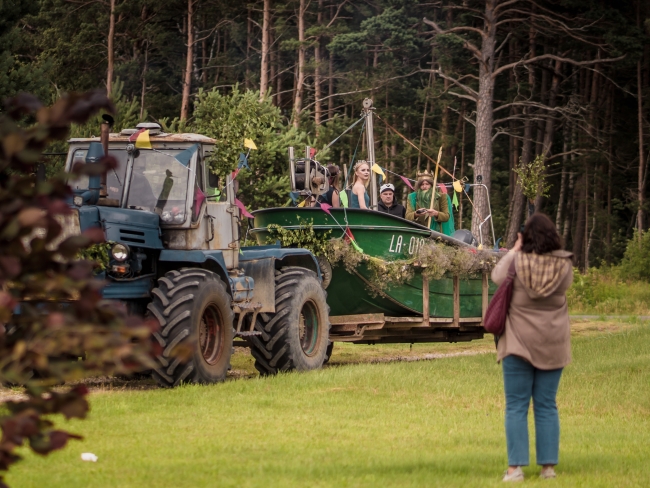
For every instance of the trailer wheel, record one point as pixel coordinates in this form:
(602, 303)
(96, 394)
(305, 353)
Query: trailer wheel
(297, 335)
(193, 308)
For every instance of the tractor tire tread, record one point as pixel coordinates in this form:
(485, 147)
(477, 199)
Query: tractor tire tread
(173, 305)
(272, 351)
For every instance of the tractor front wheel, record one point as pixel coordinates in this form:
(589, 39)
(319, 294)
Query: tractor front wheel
(196, 327)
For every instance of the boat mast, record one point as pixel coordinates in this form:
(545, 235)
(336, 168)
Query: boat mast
(370, 139)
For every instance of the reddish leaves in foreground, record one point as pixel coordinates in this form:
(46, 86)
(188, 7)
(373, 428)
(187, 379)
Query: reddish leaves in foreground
(42, 345)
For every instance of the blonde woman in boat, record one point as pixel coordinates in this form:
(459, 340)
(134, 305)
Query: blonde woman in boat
(359, 197)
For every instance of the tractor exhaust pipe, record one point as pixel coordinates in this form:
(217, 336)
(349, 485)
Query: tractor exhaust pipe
(105, 130)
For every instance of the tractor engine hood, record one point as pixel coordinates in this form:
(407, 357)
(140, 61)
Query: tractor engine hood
(134, 227)
(137, 228)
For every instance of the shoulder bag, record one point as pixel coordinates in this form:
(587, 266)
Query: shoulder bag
(497, 311)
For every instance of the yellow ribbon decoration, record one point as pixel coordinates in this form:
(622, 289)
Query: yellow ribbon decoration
(142, 141)
(377, 169)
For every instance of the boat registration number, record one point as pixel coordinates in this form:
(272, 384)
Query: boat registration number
(398, 245)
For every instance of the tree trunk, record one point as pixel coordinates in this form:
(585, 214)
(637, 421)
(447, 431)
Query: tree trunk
(560, 203)
(586, 238)
(143, 90)
(318, 114)
(272, 66)
(187, 75)
(330, 87)
(641, 183)
(569, 211)
(111, 50)
(484, 118)
(549, 129)
(264, 70)
(518, 198)
(610, 160)
(579, 233)
(249, 47)
(424, 117)
(300, 81)
(204, 55)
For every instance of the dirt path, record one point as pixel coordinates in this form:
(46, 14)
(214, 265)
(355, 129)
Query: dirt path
(346, 355)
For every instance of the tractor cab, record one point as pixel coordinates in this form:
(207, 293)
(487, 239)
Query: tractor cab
(161, 196)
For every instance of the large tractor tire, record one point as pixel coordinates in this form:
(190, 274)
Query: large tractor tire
(296, 336)
(193, 308)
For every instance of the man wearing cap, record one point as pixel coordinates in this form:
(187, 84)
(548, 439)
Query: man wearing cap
(388, 204)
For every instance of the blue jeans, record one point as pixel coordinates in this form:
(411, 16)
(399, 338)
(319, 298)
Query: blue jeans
(522, 381)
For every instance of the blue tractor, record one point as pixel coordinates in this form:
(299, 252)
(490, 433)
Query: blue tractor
(175, 255)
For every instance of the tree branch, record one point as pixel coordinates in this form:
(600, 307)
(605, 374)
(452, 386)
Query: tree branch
(472, 93)
(467, 44)
(338, 11)
(541, 57)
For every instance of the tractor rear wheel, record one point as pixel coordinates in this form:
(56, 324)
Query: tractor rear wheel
(196, 327)
(296, 336)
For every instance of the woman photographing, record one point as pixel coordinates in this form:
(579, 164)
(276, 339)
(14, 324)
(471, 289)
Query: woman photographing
(536, 343)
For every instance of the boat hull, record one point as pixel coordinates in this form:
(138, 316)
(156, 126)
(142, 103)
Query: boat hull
(389, 238)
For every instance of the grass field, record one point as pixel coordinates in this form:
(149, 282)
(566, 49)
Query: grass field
(358, 423)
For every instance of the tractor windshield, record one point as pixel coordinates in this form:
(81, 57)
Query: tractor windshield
(159, 184)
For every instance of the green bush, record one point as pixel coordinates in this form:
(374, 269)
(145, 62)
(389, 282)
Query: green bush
(230, 118)
(636, 261)
(608, 291)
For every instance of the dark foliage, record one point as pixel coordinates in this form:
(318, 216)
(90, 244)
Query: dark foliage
(54, 325)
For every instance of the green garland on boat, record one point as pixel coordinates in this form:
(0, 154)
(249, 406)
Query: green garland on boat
(436, 259)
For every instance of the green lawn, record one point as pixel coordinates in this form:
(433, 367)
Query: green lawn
(427, 423)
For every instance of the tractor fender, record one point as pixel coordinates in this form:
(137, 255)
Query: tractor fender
(288, 256)
(262, 262)
(211, 260)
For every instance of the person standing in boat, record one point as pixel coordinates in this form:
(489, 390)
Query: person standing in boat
(387, 203)
(359, 197)
(331, 198)
(419, 208)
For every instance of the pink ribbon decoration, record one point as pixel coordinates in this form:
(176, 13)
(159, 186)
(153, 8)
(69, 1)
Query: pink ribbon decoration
(199, 197)
(443, 188)
(134, 137)
(326, 208)
(408, 183)
(242, 208)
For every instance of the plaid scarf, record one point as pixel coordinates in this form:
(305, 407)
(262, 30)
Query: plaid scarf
(541, 273)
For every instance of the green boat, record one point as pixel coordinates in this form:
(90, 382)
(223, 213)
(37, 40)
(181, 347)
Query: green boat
(449, 309)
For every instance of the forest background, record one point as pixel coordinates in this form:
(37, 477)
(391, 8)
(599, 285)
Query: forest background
(499, 84)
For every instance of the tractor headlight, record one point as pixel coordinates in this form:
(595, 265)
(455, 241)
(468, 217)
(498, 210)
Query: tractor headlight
(78, 200)
(120, 252)
(172, 217)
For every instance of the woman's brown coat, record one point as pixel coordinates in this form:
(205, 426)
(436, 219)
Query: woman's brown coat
(537, 327)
